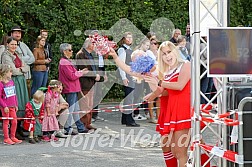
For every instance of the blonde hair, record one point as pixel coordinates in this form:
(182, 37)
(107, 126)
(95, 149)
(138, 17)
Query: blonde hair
(181, 38)
(162, 66)
(4, 69)
(39, 96)
(54, 84)
(142, 42)
(137, 53)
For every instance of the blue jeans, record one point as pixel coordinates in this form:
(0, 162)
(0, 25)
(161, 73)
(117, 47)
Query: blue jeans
(39, 79)
(72, 100)
(206, 85)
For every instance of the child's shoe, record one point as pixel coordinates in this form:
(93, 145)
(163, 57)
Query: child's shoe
(8, 141)
(46, 138)
(36, 139)
(16, 140)
(53, 138)
(32, 141)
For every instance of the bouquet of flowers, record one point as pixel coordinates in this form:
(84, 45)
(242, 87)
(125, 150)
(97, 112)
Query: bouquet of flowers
(142, 64)
(102, 44)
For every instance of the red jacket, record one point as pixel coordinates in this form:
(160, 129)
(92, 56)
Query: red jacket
(29, 113)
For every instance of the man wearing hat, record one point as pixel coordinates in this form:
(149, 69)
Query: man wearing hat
(28, 58)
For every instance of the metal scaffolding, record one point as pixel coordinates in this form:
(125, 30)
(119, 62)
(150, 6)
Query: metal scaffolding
(221, 95)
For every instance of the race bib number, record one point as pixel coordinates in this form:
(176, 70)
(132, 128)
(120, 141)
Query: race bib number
(10, 91)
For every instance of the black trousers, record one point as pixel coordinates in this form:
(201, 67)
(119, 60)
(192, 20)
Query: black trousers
(128, 99)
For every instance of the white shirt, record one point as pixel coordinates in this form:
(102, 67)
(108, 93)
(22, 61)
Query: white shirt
(151, 54)
(122, 56)
(101, 61)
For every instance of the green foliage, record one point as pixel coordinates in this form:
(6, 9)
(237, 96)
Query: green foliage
(240, 13)
(63, 17)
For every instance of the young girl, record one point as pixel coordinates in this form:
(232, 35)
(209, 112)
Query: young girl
(8, 103)
(34, 109)
(50, 122)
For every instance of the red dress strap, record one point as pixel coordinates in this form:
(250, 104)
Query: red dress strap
(17, 61)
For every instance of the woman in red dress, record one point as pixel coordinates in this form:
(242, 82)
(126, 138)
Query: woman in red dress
(175, 119)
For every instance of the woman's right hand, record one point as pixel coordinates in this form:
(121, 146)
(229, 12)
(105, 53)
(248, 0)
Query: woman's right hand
(6, 110)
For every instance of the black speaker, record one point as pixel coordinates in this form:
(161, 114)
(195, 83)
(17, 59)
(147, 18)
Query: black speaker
(247, 124)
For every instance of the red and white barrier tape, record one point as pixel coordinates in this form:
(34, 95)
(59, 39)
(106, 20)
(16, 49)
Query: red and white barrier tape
(105, 109)
(217, 118)
(210, 108)
(10, 118)
(225, 121)
(225, 114)
(226, 154)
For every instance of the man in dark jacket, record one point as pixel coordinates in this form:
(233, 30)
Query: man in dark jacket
(86, 60)
(48, 47)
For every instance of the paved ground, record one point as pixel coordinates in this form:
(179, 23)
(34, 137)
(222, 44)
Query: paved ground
(112, 145)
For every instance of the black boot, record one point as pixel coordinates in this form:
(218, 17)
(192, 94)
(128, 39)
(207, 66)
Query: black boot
(32, 141)
(20, 133)
(19, 137)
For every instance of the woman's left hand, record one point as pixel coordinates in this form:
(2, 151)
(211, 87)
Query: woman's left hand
(152, 81)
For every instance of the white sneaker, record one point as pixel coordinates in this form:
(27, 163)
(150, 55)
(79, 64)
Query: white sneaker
(139, 117)
(153, 120)
(99, 118)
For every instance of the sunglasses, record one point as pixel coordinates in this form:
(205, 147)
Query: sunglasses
(69, 50)
(154, 43)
